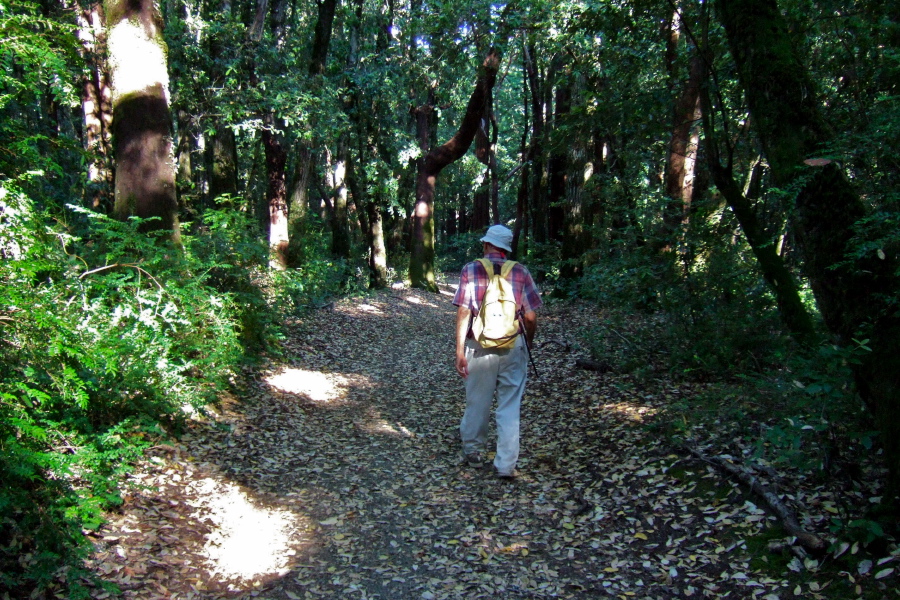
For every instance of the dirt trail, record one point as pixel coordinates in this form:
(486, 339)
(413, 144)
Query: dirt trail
(337, 475)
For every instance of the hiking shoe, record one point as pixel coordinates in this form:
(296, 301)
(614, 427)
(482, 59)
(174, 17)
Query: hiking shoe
(511, 476)
(473, 459)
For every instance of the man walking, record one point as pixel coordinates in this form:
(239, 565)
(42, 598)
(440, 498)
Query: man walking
(490, 371)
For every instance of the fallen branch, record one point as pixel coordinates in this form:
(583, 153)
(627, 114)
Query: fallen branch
(811, 542)
(564, 345)
(593, 365)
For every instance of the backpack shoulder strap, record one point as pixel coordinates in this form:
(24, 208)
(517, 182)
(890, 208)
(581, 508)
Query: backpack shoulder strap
(488, 267)
(507, 267)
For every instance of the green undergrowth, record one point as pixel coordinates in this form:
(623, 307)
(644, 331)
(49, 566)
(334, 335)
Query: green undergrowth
(109, 339)
(746, 392)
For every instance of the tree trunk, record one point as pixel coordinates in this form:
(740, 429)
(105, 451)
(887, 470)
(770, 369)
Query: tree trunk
(787, 294)
(96, 103)
(222, 159)
(378, 274)
(276, 192)
(481, 199)
(558, 165)
(186, 146)
(851, 294)
(524, 177)
(299, 203)
(322, 36)
(142, 123)
(340, 232)
(536, 151)
(677, 175)
(421, 267)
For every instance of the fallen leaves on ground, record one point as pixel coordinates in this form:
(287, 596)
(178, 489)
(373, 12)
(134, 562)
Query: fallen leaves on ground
(337, 474)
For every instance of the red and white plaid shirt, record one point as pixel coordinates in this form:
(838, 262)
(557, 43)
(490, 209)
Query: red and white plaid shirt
(473, 282)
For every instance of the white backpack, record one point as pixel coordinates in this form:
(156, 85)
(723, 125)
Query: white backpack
(496, 325)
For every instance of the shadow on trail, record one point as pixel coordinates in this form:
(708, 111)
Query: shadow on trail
(336, 475)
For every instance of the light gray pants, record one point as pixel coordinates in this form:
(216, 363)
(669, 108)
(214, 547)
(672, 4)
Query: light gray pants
(494, 371)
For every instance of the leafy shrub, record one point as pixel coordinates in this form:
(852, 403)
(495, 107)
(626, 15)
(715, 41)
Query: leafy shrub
(715, 321)
(109, 337)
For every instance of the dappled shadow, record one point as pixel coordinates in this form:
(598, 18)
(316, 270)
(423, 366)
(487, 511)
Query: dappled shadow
(336, 474)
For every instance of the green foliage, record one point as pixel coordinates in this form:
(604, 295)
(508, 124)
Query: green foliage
(459, 249)
(109, 338)
(317, 280)
(714, 321)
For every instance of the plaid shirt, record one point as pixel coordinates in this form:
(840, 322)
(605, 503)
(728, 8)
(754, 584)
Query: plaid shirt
(473, 282)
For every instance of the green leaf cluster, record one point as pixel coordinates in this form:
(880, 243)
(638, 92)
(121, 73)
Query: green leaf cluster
(109, 339)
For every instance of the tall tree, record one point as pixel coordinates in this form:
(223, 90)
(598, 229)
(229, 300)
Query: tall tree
(853, 295)
(96, 106)
(421, 267)
(142, 123)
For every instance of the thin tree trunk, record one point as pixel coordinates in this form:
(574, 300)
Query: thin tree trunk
(322, 36)
(495, 175)
(536, 151)
(558, 165)
(142, 122)
(849, 293)
(522, 195)
(222, 159)
(774, 271)
(297, 208)
(685, 114)
(421, 268)
(187, 146)
(340, 233)
(96, 102)
(276, 192)
(378, 274)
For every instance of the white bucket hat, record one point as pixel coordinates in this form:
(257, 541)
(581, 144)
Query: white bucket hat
(500, 237)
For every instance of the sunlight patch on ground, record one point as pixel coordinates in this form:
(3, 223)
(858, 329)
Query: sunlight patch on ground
(318, 387)
(419, 302)
(382, 426)
(635, 412)
(247, 541)
(370, 309)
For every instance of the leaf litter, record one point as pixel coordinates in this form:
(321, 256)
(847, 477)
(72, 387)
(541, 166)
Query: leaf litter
(335, 473)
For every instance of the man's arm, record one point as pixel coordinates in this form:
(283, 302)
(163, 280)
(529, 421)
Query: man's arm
(530, 321)
(463, 315)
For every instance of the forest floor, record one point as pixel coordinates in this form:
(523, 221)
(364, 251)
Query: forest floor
(335, 472)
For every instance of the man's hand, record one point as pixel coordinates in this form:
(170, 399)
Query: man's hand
(462, 330)
(529, 319)
(462, 365)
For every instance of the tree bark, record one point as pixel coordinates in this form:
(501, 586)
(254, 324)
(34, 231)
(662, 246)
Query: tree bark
(96, 103)
(524, 178)
(558, 165)
(852, 295)
(322, 36)
(378, 274)
(276, 192)
(787, 293)
(222, 159)
(142, 122)
(337, 179)
(677, 174)
(421, 268)
(537, 202)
